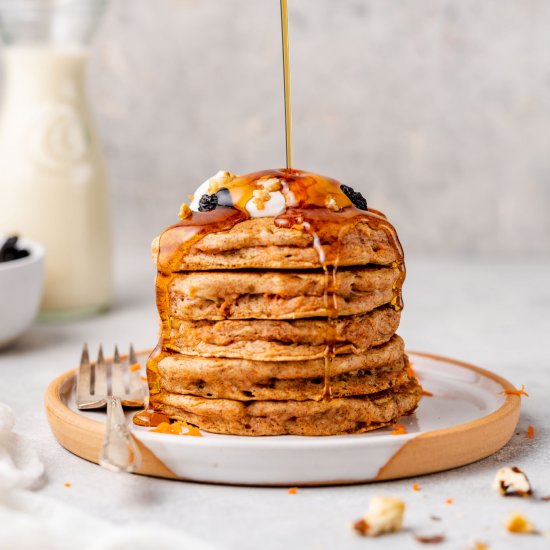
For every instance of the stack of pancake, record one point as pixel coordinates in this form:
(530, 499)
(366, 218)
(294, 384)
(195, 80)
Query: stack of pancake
(271, 327)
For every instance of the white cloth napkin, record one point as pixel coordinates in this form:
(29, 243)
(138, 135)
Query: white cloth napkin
(20, 467)
(29, 520)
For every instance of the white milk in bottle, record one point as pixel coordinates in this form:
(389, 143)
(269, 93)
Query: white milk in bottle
(53, 186)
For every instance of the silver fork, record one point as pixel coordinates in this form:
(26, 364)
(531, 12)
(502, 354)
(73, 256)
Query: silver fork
(113, 385)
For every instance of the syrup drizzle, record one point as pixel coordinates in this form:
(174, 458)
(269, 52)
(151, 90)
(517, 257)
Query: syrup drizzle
(305, 195)
(286, 83)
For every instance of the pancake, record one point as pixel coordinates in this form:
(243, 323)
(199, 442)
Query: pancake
(177, 368)
(259, 243)
(312, 418)
(279, 295)
(359, 382)
(268, 340)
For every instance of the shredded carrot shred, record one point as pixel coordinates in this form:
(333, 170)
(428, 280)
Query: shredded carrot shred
(67, 484)
(143, 378)
(293, 490)
(399, 429)
(427, 393)
(516, 392)
(135, 367)
(449, 501)
(410, 372)
(530, 432)
(416, 487)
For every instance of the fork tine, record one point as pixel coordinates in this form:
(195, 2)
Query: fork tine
(132, 356)
(83, 378)
(100, 387)
(85, 357)
(117, 373)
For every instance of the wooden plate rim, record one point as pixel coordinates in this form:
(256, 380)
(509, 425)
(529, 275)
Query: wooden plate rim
(511, 402)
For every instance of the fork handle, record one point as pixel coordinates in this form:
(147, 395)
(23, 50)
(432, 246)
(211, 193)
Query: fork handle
(119, 452)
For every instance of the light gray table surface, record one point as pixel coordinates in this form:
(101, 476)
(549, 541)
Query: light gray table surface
(491, 313)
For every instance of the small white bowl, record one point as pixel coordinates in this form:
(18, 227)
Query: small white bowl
(21, 287)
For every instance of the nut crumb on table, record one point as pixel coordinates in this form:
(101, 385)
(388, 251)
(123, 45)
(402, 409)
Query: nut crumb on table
(512, 481)
(384, 515)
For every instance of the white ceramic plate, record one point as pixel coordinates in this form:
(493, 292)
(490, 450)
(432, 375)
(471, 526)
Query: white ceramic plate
(467, 418)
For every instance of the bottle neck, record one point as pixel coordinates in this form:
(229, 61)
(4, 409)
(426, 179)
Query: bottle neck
(49, 22)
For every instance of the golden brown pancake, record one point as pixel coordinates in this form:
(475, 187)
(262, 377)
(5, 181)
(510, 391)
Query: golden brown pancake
(269, 340)
(326, 417)
(279, 295)
(246, 369)
(360, 382)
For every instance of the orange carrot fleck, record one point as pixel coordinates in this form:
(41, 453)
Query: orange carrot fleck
(135, 367)
(399, 429)
(67, 484)
(167, 428)
(449, 501)
(530, 432)
(416, 487)
(176, 428)
(143, 378)
(293, 490)
(516, 392)
(193, 431)
(427, 393)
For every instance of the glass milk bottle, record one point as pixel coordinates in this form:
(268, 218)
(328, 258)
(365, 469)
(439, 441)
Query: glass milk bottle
(53, 185)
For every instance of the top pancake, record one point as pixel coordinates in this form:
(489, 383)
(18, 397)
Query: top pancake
(260, 243)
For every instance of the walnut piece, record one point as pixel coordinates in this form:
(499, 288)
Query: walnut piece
(219, 180)
(331, 204)
(512, 482)
(384, 515)
(184, 212)
(271, 184)
(260, 197)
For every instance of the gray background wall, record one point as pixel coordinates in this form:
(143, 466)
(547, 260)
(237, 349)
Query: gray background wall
(437, 110)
